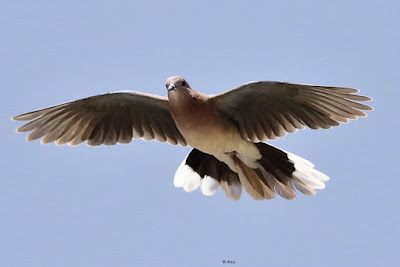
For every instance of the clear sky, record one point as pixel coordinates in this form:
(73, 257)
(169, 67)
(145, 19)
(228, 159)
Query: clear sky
(117, 206)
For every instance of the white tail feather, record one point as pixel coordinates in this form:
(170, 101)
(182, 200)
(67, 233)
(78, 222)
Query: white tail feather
(209, 186)
(187, 178)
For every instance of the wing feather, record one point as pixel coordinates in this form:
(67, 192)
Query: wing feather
(278, 108)
(104, 119)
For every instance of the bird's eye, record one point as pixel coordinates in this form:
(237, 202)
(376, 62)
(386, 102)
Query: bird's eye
(166, 85)
(183, 83)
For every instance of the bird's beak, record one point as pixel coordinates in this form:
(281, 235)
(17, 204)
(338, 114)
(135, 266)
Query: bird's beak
(171, 87)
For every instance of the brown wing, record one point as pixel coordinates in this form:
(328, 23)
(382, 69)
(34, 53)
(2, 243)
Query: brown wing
(104, 119)
(267, 110)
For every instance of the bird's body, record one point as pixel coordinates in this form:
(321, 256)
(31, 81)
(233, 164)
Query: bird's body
(225, 131)
(196, 116)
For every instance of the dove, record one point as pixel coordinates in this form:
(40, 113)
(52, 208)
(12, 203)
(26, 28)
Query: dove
(227, 131)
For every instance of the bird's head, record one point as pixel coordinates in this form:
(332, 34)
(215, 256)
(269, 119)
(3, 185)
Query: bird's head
(177, 83)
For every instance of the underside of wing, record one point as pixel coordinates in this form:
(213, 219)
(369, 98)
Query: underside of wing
(104, 119)
(267, 110)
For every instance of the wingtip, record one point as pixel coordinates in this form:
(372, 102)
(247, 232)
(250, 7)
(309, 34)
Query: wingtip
(16, 118)
(24, 117)
(44, 142)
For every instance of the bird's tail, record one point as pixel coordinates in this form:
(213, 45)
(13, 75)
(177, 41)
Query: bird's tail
(278, 172)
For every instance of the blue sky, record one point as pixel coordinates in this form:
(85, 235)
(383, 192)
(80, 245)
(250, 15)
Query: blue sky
(117, 206)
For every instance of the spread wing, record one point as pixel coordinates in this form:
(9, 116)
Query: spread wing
(267, 110)
(104, 119)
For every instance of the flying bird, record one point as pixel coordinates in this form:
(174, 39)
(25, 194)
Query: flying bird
(227, 131)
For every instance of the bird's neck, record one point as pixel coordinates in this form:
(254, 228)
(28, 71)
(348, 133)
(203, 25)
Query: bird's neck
(181, 100)
(187, 105)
